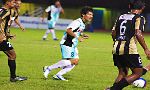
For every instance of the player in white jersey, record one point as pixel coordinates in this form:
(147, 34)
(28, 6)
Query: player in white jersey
(69, 44)
(53, 15)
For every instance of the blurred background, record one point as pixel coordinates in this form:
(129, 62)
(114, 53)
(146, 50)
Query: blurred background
(105, 12)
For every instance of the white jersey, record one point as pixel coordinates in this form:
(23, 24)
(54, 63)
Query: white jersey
(77, 27)
(54, 12)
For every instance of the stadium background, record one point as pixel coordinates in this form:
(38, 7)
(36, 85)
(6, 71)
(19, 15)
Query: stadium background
(105, 11)
(95, 70)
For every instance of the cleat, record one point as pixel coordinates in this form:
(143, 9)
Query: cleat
(46, 71)
(55, 39)
(18, 78)
(44, 39)
(59, 77)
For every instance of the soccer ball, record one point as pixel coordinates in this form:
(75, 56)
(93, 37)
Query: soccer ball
(141, 82)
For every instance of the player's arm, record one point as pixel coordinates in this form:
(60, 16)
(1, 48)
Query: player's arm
(113, 33)
(19, 24)
(140, 38)
(70, 32)
(85, 36)
(62, 11)
(45, 13)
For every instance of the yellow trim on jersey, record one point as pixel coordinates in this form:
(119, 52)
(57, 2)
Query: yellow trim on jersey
(121, 49)
(115, 46)
(137, 23)
(133, 46)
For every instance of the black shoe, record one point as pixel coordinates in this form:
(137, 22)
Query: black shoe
(44, 39)
(55, 39)
(18, 78)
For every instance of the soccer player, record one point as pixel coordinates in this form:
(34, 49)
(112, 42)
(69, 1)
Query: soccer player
(69, 44)
(15, 14)
(53, 15)
(125, 33)
(5, 46)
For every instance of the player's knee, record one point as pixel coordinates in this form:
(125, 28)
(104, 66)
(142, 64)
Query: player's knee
(12, 56)
(76, 61)
(138, 73)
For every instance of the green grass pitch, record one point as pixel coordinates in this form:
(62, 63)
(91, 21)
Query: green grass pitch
(94, 72)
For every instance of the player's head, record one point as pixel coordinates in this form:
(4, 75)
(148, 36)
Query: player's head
(17, 4)
(57, 3)
(9, 3)
(137, 5)
(87, 14)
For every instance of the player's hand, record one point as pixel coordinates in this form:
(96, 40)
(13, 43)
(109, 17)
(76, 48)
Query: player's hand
(147, 52)
(11, 36)
(42, 19)
(85, 36)
(80, 39)
(23, 29)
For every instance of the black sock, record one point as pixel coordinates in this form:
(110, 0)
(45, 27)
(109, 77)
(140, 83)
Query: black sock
(120, 85)
(144, 71)
(12, 67)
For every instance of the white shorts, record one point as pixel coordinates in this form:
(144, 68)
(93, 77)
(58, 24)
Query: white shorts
(51, 24)
(69, 52)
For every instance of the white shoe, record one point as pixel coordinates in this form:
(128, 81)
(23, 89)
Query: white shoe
(46, 71)
(59, 77)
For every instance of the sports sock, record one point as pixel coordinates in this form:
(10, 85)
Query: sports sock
(12, 67)
(120, 85)
(65, 70)
(53, 33)
(46, 33)
(59, 64)
(144, 71)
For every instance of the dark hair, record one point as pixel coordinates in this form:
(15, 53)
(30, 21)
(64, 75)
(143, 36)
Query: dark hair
(4, 1)
(136, 4)
(85, 10)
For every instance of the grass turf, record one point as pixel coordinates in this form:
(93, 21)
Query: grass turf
(94, 72)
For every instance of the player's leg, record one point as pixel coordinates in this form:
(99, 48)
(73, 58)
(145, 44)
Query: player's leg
(123, 72)
(53, 23)
(134, 62)
(67, 52)
(146, 69)
(11, 62)
(74, 61)
(59, 64)
(46, 34)
(9, 51)
(49, 23)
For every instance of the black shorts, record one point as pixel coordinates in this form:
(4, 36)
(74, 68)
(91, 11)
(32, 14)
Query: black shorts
(130, 60)
(5, 46)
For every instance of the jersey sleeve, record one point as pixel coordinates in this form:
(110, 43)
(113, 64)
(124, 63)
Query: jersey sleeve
(74, 25)
(139, 24)
(12, 16)
(48, 9)
(4, 13)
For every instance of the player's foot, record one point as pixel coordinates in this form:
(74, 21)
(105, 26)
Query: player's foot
(46, 71)
(59, 77)
(44, 39)
(18, 78)
(55, 39)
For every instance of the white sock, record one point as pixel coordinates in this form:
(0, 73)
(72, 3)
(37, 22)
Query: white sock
(46, 33)
(53, 33)
(65, 70)
(59, 64)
